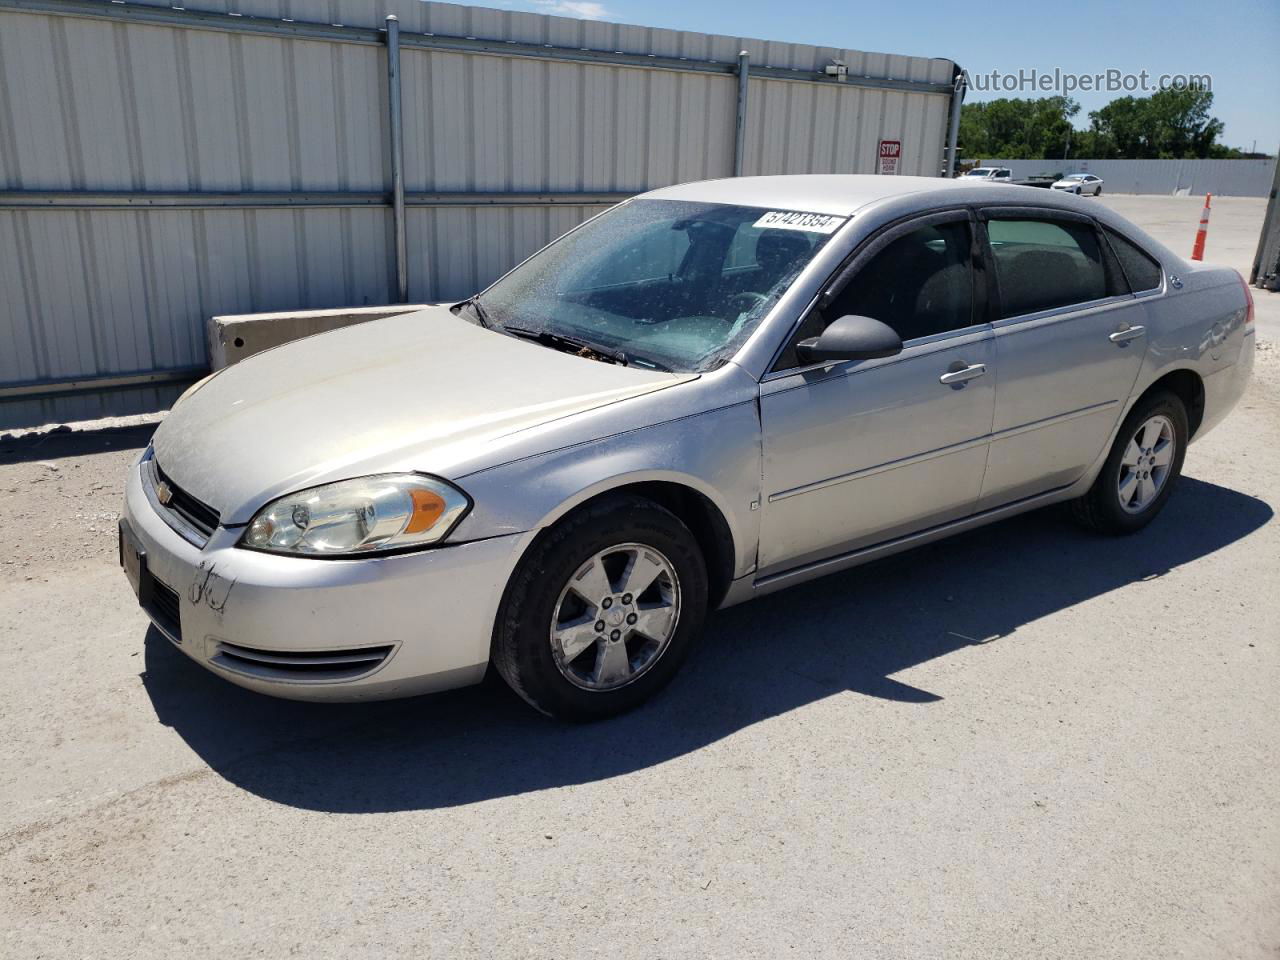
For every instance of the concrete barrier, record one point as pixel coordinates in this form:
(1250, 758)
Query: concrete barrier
(232, 338)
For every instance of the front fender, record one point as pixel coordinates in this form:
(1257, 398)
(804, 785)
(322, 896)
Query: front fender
(716, 453)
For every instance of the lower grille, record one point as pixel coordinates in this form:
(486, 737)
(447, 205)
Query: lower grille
(310, 666)
(163, 605)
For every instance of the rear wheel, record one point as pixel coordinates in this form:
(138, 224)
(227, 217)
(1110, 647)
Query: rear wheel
(602, 611)
(1140, 471)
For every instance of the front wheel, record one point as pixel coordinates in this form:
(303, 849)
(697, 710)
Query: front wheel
(1140, 471)
(602, 611)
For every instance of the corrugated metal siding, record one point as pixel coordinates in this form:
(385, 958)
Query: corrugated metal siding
(95, 292)
(90, 104)
(1226, 178)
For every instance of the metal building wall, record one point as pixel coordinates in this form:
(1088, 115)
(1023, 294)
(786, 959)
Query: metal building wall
(161, 166)
(1226, 178)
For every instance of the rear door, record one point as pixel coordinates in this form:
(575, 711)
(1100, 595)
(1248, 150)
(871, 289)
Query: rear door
(1069, 340)
(864, 451)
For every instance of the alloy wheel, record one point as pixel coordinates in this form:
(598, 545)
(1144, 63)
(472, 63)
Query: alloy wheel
(1145, 465)
(615, 617)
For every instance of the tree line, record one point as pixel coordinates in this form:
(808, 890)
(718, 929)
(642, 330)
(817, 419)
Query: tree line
(1171, 124)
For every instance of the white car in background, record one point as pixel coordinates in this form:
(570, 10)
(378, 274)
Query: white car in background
(1080, 183)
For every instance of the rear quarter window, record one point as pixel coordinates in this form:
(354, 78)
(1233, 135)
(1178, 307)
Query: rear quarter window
(1141, 269)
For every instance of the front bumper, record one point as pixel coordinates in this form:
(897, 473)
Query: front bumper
(372, 628)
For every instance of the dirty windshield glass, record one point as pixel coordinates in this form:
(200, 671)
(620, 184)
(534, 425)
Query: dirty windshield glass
(661, 283)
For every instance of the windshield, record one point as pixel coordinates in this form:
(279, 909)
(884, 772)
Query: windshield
(661, 283)
(1076, 176)
(979, 172)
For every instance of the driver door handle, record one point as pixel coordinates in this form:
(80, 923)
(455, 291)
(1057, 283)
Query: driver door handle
(1127, 334)
(970, 372)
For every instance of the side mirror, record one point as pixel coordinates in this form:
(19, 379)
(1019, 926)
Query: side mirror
(850, 338)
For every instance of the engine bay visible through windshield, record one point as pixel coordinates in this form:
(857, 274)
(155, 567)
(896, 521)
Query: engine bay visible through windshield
(666, 284)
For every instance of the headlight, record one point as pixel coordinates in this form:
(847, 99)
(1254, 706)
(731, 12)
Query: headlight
(369, 515)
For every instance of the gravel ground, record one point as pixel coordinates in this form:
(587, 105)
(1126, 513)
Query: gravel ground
(1026, 742)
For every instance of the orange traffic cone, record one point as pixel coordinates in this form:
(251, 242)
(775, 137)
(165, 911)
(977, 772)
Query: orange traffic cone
(1197, 250)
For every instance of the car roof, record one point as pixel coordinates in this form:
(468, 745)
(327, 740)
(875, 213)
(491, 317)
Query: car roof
(839, 194)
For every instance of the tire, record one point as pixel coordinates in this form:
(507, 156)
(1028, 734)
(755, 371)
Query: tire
(1109, 508)
(543, 617)
(1098, 192)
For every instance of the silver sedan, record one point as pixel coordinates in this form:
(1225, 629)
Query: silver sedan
(704, 394)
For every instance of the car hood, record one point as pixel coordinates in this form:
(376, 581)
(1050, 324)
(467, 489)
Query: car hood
(423, 391)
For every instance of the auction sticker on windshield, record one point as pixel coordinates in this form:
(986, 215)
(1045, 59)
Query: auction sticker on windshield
(796, 220)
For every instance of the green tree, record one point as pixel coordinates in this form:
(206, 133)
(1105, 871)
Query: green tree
(1173, 123)
(1012, 127)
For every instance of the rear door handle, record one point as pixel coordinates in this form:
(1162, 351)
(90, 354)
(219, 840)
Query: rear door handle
(970, 372)
(1127, 334)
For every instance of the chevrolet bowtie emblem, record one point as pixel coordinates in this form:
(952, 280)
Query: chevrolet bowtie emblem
(164, 492)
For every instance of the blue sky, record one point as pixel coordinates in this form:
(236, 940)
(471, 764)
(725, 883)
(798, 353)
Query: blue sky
(1237, 42)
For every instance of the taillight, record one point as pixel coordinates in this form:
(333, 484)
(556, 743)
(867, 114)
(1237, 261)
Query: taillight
(1248, 300)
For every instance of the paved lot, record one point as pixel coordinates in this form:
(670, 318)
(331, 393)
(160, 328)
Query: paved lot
(1027, 742)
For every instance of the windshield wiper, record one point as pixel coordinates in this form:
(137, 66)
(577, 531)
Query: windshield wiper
(478, 309)
(574, 345)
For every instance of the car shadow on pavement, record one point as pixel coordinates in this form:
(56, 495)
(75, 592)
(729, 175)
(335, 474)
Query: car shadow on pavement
(847, 632)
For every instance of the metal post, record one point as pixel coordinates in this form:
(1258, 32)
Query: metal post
(953, 136)
(396, 121)
(740, 143)
(1270, 227)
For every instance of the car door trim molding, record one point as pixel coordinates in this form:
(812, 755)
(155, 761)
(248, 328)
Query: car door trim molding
(879, 468)
(1054, 420)
(1008, 325)
(942, 451)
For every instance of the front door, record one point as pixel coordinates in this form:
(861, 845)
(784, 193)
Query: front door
(860, 452)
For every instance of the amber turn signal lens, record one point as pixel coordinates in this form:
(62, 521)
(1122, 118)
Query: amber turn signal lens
(428, 507)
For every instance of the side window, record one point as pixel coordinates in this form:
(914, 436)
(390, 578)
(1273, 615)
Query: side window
(1042, 264)
(1143, 271)
(920, 284)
